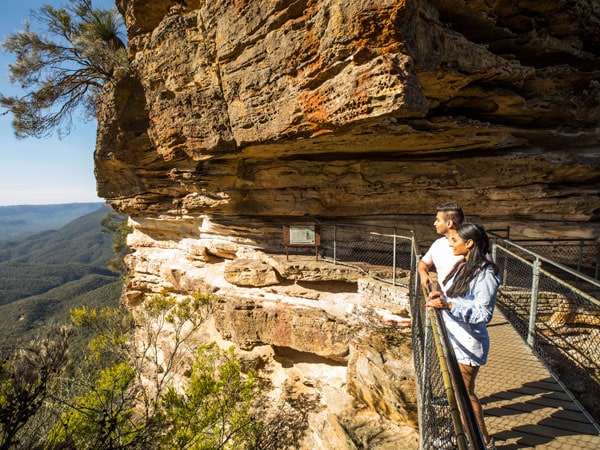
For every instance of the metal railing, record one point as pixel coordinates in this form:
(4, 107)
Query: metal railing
(553, 306)
(446, 417)
(382, 252)
(582, 254)
(559, 319)
(440, 424)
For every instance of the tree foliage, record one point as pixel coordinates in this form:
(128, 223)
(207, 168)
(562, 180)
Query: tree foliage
(64, 67)
(26, 382)
(116, 224)
(134, 402)
(144, 383)
(219, 397)
(128, 391)
(101, 417)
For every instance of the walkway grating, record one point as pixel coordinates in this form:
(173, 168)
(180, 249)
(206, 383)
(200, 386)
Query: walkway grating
(524, 406)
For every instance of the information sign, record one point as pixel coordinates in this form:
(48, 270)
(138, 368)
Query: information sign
(301, 235)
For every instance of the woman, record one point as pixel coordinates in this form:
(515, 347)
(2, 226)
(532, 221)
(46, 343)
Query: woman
(468, 305)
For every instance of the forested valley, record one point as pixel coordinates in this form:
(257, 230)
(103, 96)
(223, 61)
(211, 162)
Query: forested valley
(44, 275)
(74, 373)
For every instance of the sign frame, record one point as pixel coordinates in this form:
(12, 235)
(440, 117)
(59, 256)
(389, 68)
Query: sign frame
(301, 235)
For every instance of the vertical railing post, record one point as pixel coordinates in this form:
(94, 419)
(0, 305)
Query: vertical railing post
(580, 256)
(534, 299)
(425, 369)
(334, 242)
(414, 261)
(597, 262)
(394, 261)
(505, 268)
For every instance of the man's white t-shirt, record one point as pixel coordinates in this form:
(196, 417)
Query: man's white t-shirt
(441, 255)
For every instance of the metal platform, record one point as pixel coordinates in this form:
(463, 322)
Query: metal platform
(524, 406)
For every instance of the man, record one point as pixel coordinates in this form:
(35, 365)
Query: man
(448, 217)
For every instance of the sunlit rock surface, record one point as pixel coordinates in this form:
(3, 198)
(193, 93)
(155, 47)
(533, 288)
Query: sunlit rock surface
(345, 108)
(239, 117)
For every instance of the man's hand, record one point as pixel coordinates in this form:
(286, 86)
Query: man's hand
(423, 270)
(425, 280)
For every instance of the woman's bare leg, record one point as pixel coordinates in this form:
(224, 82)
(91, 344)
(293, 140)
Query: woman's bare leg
(469, 373)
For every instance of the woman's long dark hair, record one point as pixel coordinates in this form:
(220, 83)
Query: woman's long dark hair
(479, 259)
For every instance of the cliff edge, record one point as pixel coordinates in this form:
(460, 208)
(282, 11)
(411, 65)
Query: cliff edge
(239, 117)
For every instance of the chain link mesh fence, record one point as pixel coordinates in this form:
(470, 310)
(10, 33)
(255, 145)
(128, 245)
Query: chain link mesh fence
(559, 319)
(391, 255)
(435, 422)
(384, 253)
(582, 255)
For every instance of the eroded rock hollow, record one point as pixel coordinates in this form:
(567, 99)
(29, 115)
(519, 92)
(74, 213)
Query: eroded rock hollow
(237, 117)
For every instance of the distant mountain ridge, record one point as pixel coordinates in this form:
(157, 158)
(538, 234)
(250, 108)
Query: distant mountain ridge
(23, 220)
(44, 275)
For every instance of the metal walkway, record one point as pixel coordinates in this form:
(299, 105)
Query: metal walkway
(524, 406)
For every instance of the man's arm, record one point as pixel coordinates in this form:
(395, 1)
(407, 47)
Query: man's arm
(423, 269)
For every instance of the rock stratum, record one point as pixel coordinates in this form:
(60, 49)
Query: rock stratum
(347, 108)
(237, 117)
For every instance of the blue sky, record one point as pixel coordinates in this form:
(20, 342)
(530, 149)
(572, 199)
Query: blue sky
(43, 171)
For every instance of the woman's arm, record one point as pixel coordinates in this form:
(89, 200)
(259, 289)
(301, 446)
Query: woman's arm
(478, 305)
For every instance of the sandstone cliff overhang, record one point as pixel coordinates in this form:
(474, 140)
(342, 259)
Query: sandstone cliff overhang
(239, 117)
(347, 108)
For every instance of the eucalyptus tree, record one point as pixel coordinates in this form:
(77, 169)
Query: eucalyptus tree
(27, 380)
(62, 65)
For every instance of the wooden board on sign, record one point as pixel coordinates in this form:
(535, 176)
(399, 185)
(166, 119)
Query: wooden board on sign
(301, 235)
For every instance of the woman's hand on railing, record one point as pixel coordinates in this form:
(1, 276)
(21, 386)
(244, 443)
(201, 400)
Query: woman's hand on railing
(437, 300)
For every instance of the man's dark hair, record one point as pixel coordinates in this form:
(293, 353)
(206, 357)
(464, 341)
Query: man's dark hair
(452, 212)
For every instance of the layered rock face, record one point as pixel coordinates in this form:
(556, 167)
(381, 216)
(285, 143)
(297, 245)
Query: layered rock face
(346, 108)
(239, 116)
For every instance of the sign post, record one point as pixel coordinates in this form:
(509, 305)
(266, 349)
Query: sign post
(301, 236)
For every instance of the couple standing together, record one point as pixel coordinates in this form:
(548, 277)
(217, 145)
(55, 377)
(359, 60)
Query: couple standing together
(467, 287)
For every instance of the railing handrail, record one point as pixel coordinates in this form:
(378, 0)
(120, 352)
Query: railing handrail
(552, 276)
(552, 240)
(557, 317)
(558, 265)
(461, 410)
